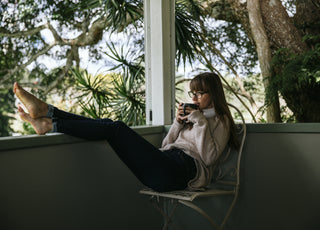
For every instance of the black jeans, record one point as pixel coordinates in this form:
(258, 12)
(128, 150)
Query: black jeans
(162, 171)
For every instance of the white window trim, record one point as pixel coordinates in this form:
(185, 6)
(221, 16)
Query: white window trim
(159, 21)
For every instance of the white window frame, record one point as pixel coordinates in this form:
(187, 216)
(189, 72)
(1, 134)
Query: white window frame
(159, 24)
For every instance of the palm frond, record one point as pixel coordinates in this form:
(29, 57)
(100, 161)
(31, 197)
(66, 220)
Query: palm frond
(94, 99)
(129, 62)
(128, 103)
(187, 30)
(121, 13)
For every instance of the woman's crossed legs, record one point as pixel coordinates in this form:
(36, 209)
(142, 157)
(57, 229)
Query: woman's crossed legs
(162, 171)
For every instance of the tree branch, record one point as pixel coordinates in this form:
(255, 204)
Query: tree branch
(181, 81)
(219, 10)
(20, 67)
(6, 33)
(226, 82)
(93, 36)
(63, 73)
(238, 79)
(55, 34)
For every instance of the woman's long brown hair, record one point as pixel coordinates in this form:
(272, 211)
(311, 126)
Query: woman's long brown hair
(210, 83)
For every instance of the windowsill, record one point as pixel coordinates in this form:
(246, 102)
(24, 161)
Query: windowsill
(25, 141)
(18, 142)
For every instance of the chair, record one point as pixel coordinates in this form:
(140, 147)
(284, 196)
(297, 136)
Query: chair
(226, 182)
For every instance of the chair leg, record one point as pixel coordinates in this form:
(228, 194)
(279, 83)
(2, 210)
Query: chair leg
(199, 210)
(229, 210)
(167, 217)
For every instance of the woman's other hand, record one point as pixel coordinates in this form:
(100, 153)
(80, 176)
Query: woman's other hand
(180, 114)
(181, 118)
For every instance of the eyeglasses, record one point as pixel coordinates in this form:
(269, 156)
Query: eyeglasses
(196, 94)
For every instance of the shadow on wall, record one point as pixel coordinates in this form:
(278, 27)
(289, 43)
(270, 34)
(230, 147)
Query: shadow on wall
(71, 186)
(281, 185)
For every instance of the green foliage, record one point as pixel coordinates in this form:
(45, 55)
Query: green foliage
(6, 100)
(121, 13)
(296, 71)
(121, 95)
(297, 78)
(27, 15)
(93, 99)
(287, 116)
(129, 101)
(230, 39)
(188, 14)
(27, 129)
(120, 101)
(128, 61)
(253, 84)
(123, 91)
(8, 56)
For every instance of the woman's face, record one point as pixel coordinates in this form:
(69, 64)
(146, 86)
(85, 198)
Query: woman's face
(202, 99)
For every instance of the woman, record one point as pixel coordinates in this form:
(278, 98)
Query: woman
(188, 153)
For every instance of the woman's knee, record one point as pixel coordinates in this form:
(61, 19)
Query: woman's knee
(166, 182)
(164, 187)
(105, 120)
(120, 130)
(119, 124)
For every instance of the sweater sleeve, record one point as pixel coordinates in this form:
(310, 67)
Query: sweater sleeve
(211, 137)
(173, 133)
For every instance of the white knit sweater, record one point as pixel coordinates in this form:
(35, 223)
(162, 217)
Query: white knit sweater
(205, 142)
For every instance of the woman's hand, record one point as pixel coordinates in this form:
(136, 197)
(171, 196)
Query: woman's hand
(180, 115)
(181, 118)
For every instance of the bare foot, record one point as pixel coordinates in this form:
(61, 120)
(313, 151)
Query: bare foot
(41, 125)
(35, 106)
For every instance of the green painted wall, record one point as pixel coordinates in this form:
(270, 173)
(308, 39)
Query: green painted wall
(280, 182)
(60, 182)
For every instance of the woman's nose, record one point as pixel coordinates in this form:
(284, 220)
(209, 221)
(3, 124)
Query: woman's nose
(194, 98)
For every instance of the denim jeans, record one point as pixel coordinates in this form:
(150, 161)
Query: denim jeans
(160, 170)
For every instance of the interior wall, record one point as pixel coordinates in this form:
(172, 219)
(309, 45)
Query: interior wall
(71, 186)
(280, 187)
(83, 185)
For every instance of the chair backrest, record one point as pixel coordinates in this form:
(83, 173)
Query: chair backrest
(227, 171)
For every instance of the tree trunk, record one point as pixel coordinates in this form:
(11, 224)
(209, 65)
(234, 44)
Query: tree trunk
(280, 29)
(270, 28)
(301, 98)
(307, 18)
(305, 104)
(264, 54)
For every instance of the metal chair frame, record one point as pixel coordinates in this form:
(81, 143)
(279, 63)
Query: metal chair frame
(186, 198)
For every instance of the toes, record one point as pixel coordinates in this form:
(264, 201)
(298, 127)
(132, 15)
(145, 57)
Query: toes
(20, 109)
(23, 115)
(40, 125)
(17, 90)
(16, 87)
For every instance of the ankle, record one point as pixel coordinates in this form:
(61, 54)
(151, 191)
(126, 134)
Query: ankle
(50, 111)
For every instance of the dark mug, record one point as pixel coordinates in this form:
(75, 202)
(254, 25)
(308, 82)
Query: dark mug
(190, 105)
